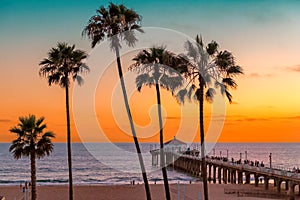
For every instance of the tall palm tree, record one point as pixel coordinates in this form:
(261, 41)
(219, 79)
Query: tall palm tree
(117, 23)
(208, 65)
(156, 68)
(31, 142)
(64, 64)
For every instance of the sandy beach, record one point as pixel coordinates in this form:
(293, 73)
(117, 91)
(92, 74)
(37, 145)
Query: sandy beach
(132, 192)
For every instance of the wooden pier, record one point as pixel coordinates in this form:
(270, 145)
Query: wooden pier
(223, 171)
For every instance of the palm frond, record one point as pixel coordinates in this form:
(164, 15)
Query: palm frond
(18, 131)
(143, 79)
(39, 122)
(83, 68)
(192, 52)
(229, 96)
(160, 65)
(63, 63)
(212, 48)
(229, 82)
(16, 147)
(199, 40)
(78, 79)
(191, 90)
(183, 65)
(234, 70)
(170, 83)
(113, 21)
(28, 132)
(44, 145)
(129, 37)
(181, 96)
(209, 95)
(224, 60)
(137, 28)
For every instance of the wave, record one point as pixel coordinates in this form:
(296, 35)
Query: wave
(52, 181)
(6, 182)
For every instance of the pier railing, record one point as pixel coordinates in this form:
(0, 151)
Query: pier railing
(229, 171)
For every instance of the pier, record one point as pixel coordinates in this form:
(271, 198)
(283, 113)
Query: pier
(224, 171)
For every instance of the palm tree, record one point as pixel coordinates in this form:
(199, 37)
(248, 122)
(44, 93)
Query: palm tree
(207, 65)
(31, 142)
(64, 64)
(118, 23)
(156, 68)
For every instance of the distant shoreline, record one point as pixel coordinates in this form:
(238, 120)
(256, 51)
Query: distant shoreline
(296, 142)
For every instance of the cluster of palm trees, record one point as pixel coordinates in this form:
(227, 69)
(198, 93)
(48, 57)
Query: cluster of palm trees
(204, 68)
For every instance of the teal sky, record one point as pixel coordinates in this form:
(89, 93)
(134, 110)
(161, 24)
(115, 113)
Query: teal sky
(264, 35)
(35, 20)
(248, 28)
(49, 21)
(231, 22)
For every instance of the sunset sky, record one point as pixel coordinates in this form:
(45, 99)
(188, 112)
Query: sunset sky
(264, 36)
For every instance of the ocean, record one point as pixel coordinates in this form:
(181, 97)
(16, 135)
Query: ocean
(110, 164)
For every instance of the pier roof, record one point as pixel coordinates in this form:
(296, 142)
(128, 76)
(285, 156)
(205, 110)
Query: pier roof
(175, 142)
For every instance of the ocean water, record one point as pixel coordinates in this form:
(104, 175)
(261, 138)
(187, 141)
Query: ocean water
(117, 163)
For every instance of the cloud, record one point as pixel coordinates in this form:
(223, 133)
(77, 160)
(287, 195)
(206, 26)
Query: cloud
(5, 120)
(253, 119)
(292, 117)
(244, 118)
(294, 68)
(256, 75)
(173, 117)
(250, 119)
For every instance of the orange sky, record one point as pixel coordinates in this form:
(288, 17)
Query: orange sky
(258, 114)
(264, 39)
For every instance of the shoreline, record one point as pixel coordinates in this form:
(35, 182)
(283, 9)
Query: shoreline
(133, 192)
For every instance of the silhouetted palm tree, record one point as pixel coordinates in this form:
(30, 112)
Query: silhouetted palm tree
(118, 23)
(62, 66)
(156, 68)
(31, 142)
(207, 66)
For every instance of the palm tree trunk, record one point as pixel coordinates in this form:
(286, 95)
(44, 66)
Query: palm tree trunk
(203, 162)
(33, 174)
(161, 140)
(136, 142)
(69, 145)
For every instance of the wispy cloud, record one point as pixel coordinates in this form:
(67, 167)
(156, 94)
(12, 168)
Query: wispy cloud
(256, 119)
(5, 120)
(243, 118)
(295, 68)
(257, 75)
(250, 119)
(292, 117)
(173, 117)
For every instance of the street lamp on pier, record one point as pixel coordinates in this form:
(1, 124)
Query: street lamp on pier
(270, 156)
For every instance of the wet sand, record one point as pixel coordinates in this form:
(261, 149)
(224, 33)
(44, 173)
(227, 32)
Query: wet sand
(132, 192)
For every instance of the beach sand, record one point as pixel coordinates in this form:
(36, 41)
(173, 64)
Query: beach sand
(128, 192)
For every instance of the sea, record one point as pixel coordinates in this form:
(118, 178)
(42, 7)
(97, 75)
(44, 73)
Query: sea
(117, 163)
